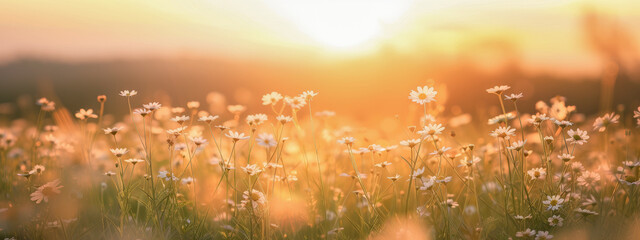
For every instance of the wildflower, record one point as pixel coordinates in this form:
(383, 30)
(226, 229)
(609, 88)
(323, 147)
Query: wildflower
(256, 198)
(37, 169)
(252, 169)
(46, 191)
(588, 179)
(422, 211)
(152, 106)
(187, 181)
(566, 157)
(513, 97)
(553, 202)
(423, 95)
(498, 89)
(603, 122)
(128, 93)
(503, 132)
(417, 173)
(236, 109)
(49, 107)
(119, 152)
(450, 203)
(410, 143)
(577, 137)
(176, 132)
(347, 141)
(383, 164)
(167, 176)
(112, 131)
(180, 119)
(517, 145)
(256, 119)
(134, 161)
(193, 105)
(85, 114)
(198, 141)
(295, 102)
(585, 211)
(142, 111)
(536, 120)
(427, 183)
(543, 235)
(502, 118)
(526, 233)
(335, 231)
(271, 98)
(308, 95)
(394, 178)
(432, 129)
(284, 119)
(266, 140)
(520, 217)
(208, 119)
(109, 174)
(236, 136)
(555, 220)
(562, 124)
(440, 151)
(469, 162)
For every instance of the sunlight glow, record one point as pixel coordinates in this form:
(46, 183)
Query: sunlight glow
(342, 24)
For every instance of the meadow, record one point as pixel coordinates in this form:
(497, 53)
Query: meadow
(291, 171)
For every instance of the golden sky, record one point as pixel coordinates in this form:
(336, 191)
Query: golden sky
(548, 35)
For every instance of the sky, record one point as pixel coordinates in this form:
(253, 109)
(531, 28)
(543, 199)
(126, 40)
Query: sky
(547, 35)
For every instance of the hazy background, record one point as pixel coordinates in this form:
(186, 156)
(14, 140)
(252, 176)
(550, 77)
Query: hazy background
(362, 56)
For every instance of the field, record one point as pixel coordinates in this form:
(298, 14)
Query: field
(290, 171)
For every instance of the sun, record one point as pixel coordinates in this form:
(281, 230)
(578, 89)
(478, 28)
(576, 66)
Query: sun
(342, 24)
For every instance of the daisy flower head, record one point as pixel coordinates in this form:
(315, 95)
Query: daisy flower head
(236, 136)
(513, 97)
(517, 145)
(113, 130)
(432, 129)
(451, 203)
(577, 136)
(85, 114)
(266, 140)
(394, 178)
(134, 161)
(543, 235)
(563, 123)
(256, 119)
(347, 141)
(119, 152)
(236, 109)
(46, 191)
(187, 181)
(588, 179)
(565, 157)
(284, 119)
(208, 119)
(198, 141)
(503, 132)
(423, 95)
(502, 118)
(128, 93)
(526, 233)
(152, 106)
(308, 95)
(193, 105)
(176, 132)
(180, 119)
(498, 89)
(142, 112)
(603, 122)
(469, 162)
(555, 220)
(410, 142)
(271, 98)
(252, 169)
(296, 103)
(37, 169)
(553, 202)
(255, 198)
